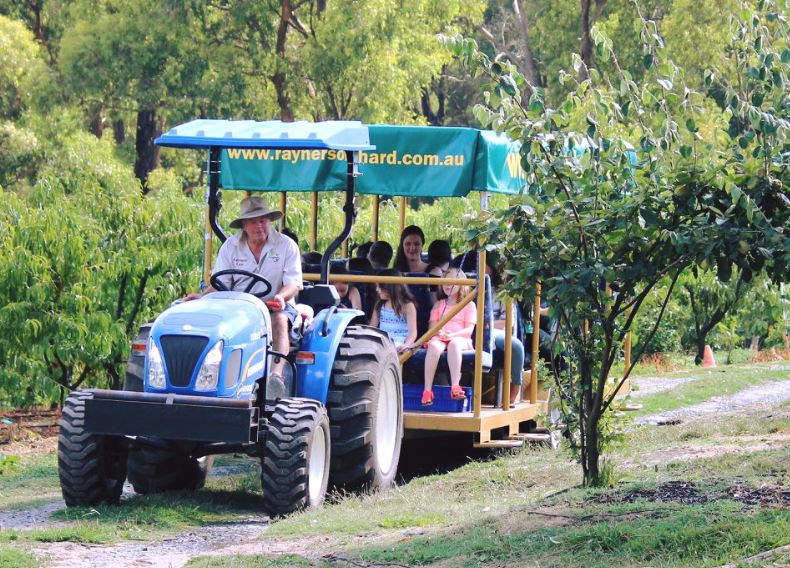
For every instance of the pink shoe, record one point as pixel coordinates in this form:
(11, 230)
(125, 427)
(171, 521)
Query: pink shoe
(427, 398)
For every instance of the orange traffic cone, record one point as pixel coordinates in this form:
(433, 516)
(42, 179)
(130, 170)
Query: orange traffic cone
(707, 357)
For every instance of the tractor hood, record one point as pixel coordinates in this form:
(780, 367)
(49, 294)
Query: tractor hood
(186, 333)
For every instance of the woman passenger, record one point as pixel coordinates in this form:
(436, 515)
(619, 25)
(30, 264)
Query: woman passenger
(408, 257)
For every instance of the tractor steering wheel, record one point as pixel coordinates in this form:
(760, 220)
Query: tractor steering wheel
(218, 284)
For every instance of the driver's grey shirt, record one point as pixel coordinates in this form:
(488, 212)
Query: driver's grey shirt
(280, 262)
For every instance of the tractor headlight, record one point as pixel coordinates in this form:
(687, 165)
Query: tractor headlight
(209, 371)
(156, 370)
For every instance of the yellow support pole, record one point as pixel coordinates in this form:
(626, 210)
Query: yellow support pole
(314, 221)
(478, 384)
(533, 373)
(375, 217)
(506, 402)
(403, 205)
(283, 205)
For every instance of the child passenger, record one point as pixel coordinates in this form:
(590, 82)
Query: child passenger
(455, 337)
(349, 295)
(395, 312)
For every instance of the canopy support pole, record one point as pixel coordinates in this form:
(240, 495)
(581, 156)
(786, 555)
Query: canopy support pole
(533, 372)
(214, 205)
(314, 221)
(403, 205)
(506, 402)
(352, 162)
(283, 206)
(375, 217)
(481, 282)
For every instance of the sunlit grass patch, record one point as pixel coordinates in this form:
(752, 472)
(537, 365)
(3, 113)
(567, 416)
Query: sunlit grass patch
(14, 558)
(253, 561)
(30, 477)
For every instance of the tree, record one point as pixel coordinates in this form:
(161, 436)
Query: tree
(20, 65)
(600, 225)
(144, 54)
(710, 300)
(85, 259)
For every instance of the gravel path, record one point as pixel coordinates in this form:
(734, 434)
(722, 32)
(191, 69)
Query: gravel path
(172, 552)
(760, 395)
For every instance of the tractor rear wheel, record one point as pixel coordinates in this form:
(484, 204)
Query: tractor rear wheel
(365, 405)
(91, 467)
(154, 470)
(295, 458)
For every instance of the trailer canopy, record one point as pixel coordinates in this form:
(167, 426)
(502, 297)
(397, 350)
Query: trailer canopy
(412, 161)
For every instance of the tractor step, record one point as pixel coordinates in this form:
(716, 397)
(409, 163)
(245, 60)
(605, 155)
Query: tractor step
(500, 444)
(541, 438)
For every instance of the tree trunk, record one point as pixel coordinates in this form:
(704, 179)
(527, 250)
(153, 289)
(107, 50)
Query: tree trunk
(531, 70)
(586, 41)
(754, 347)
(591, 453)
(97, 120)
(278, 78)
(118, 131)
(147, 152)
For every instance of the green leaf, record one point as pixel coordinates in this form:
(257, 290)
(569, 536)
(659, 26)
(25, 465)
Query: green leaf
(685, 151)
(691, 125)
(648, 60)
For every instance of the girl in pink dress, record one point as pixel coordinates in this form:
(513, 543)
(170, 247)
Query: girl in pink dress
(454, 337)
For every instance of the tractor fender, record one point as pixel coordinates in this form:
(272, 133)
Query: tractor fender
(323, 340)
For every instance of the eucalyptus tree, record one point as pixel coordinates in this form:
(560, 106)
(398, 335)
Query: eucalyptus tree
(143, 57)
(623, 191)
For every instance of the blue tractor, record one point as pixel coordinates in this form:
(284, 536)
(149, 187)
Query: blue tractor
(196, 383)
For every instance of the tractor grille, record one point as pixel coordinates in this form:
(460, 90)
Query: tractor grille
(181, 354)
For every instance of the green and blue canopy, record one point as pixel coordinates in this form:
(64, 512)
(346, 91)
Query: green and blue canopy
(412, 161)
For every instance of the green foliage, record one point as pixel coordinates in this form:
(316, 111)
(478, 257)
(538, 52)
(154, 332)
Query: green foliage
(595, 215)
(19, 153)
(84, 261)
(20, 65)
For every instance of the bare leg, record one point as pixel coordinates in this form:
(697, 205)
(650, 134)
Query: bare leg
(435, 349)
(280, 341)
(454, 350)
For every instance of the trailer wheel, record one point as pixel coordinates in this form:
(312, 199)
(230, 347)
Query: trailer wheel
(365, 404)
(91, 467)
(154, 470)
(295, 459)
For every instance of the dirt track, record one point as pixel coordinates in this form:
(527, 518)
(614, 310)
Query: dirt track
(243, 537)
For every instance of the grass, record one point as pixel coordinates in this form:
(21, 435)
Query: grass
(31, 480)
(518, 508)
(14, 558)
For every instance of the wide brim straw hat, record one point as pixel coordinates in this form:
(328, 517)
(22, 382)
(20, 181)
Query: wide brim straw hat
(252, 207)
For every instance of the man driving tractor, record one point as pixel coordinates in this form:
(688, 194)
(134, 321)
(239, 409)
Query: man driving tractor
(260, 249)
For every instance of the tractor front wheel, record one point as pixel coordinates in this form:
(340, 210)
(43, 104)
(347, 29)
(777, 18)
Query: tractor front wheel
(365, 404)
(91, 467)
(295, 459)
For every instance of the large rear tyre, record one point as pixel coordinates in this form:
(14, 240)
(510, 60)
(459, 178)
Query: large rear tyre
(154, 470)
(295, 460)
(365, 405)
(91, 467)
